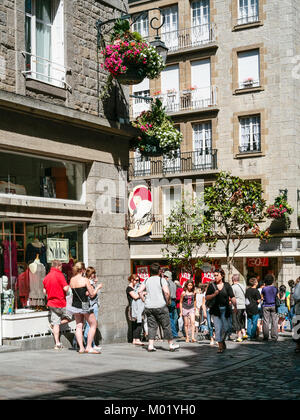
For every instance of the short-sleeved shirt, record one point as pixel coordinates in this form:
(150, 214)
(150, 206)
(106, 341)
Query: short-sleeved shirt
(269, 294)
(222, 299)
(154, 297)
(253, 295)
(128, 290)
(239, 291)
(54, 284)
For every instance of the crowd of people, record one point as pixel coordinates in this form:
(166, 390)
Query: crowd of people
(217, 311)
(78, 300)
(160, 307)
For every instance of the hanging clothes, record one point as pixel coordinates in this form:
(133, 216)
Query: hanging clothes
(23, 287)
(10, 258)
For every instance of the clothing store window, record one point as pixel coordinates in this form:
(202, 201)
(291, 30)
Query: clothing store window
(40, 177)
(26, 252)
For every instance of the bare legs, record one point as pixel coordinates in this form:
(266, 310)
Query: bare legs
(189, 321)
(91, 319)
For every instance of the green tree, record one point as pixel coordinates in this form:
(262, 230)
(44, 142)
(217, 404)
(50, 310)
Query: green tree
(234, 207)
(186, 235)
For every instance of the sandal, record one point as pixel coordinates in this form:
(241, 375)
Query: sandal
(194, 340)
(93, 351)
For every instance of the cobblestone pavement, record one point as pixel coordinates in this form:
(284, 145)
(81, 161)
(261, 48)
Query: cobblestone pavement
(250, 370)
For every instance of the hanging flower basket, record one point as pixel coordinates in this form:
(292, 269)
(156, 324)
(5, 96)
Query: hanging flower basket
(158, 136)
(129, 58)
(279, 211)
(132, 76)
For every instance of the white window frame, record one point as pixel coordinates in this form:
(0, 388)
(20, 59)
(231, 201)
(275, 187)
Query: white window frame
(202, 133)
(55, 73)
(169, 31)
(200, 18)
(248, 11)
(47, 199)
(249, 127)
(168, 205)
(254, 79)
(141, 25)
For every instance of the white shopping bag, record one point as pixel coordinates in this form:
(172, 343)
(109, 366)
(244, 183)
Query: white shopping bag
(180, 323)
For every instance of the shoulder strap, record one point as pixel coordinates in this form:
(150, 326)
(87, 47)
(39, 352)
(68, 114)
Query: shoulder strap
(241, 289)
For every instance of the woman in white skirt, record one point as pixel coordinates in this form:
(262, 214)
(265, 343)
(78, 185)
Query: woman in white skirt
(82, 290)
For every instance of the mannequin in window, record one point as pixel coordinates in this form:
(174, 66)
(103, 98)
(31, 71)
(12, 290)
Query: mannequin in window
(7, 297)
(37, 273)
(34, 248)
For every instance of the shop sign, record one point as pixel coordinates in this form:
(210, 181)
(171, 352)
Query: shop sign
(288, 260)
(184, 276)
(139, 206)
(57, 249)
(258, 262)
(143, 271)
(207, 277)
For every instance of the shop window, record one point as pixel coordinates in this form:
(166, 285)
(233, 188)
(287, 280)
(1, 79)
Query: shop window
(26, 252)
(40, 177)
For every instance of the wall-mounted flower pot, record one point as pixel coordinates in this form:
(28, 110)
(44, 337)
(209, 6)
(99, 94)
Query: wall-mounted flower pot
(278, 225)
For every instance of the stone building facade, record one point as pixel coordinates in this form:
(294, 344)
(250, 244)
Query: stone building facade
(60, 148)
(231, 39)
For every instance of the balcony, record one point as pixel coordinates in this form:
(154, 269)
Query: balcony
(190, 100)
(44, 70)
(196, 161)
(189, 38)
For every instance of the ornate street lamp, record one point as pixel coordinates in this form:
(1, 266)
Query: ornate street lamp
(157, 42)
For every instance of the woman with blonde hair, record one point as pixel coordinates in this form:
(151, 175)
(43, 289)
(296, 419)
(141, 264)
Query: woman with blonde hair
(82, 290)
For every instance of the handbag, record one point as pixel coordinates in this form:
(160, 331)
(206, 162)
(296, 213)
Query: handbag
(85, 306)
(129, 314)
(210, 303)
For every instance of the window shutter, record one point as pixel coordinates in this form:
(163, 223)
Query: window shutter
(200, 77)
(248, 67)
(58, 71)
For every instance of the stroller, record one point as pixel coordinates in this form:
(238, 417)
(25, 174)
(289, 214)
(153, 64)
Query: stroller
(203, 332)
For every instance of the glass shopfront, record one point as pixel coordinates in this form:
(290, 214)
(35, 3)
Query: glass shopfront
(29, 175)
(26, 252)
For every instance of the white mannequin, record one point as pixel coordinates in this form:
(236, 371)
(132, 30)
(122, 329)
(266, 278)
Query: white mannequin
(33, 266)
(4, 283)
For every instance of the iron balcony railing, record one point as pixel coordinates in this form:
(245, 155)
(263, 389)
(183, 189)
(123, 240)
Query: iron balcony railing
(191, 99)
(44, 70)
(244, 20)
(201, 160)
(181, 39)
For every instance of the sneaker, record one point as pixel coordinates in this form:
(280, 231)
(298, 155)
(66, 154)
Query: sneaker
(238, 340)
(174, 347)
(151, 350)
(245, 337)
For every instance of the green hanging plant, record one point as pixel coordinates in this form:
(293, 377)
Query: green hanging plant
(158, 135)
